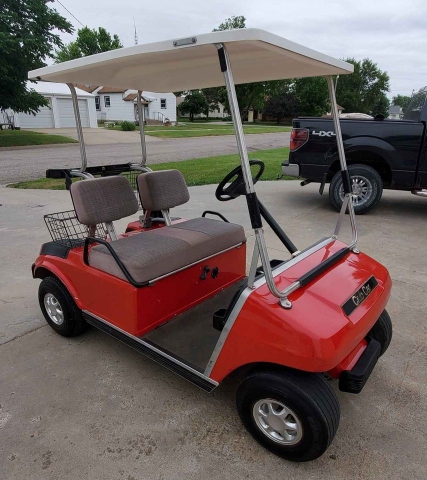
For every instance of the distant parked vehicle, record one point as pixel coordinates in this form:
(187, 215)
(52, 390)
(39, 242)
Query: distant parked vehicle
(380, 154)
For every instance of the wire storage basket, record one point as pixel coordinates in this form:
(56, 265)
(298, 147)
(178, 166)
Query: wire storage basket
(65, 229)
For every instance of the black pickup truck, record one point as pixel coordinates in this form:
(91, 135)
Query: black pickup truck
(380, 154)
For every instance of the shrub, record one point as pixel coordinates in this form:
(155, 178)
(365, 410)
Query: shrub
(128, 126)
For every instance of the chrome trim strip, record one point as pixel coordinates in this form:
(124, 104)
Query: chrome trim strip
(293, 261)
(151, 282)
(226, 330)
(154, 349)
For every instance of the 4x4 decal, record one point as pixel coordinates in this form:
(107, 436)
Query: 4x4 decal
(322, 133)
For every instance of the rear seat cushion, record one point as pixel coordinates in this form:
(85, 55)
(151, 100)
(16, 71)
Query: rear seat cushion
(148, 255)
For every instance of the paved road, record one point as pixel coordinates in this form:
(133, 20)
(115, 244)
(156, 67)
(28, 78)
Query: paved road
(25, 164)
(91, 408)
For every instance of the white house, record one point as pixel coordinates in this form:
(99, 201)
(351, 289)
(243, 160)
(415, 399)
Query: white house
(395, 112)
(120, 104)
(60, 112)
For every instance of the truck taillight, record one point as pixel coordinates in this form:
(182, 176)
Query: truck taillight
(299, 136)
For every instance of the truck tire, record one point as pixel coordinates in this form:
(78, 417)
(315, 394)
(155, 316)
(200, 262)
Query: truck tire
(366, 183)
(59, 308)
(293, 414)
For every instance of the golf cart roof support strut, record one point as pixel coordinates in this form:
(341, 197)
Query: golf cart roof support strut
(78, 126)
(348, 203)
(141, 120)
(255, 215)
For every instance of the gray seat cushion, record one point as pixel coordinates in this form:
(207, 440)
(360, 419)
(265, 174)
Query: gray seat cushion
(149, 255)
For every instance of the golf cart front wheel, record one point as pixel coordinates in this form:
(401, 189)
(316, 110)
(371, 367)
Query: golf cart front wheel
(59, 308)
(294, 415)
(382, 331)
(367, 188)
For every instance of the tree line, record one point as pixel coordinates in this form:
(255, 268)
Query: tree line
(28, 36)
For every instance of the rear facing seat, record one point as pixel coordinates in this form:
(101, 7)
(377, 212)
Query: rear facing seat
(149, 255)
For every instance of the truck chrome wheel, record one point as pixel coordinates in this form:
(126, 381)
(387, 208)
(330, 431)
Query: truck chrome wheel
(362, 190)
(278, 422)
(53, 309)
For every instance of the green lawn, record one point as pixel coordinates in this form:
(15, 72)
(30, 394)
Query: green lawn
(207, 130)
(23, 138)
(200, 171)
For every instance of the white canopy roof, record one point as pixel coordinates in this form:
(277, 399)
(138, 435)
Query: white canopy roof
(192, 63)
(47, 88)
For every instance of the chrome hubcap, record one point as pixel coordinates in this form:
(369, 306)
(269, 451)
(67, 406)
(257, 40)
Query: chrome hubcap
(361, 190)
(277, 421)
(53, 309)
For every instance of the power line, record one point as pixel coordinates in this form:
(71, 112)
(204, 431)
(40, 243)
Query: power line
(63, 6)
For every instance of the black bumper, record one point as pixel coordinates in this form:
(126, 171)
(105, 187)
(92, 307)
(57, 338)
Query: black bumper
(352, 381)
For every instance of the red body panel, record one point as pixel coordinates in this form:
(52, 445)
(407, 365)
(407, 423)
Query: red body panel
(314, 335)
(138, 310)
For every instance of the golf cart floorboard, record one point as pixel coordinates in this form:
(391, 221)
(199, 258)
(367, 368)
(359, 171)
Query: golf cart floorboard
(191, 335)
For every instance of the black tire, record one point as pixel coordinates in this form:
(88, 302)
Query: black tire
(370, 177)
(382, 331)
(311, 399)
(73, 322)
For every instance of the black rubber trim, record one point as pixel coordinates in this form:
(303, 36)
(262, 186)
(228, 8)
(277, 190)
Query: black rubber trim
(353, 381)
(222, 61)
(345, 176)
(103, 170)
(142, 346)
(254, 212)
(124, 270)
(211, 212)
(55, 249)
(322, 267)
(359, 296)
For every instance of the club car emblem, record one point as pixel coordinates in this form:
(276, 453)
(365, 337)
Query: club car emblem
(360, 296)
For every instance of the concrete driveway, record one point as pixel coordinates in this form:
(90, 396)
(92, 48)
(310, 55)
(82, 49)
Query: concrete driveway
(90, 407)
(19, 164)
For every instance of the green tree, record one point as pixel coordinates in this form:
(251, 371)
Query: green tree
(363, 90)
(194, 103)
(26, 38)
(283, 105)
(381, 106)
(312, 95)
(232, 23)
(402, 101)
(88, 42)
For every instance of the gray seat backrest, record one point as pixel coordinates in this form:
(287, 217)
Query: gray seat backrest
(102, 200)
(162, 190)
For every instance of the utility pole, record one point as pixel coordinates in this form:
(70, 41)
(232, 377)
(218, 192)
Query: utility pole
(135, 35)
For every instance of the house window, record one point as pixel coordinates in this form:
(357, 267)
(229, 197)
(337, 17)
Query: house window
(98, 103)
(107, 101)
(163, 103)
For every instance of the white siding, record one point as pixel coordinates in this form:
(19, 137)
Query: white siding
(118, 109)
(43, 118)
(155, 107)
(66, 112)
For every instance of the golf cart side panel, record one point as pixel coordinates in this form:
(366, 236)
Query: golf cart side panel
(138, 310)
(314, 335)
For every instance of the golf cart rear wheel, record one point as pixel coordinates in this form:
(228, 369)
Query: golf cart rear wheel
(366, 184)
(294, 415)
(59, 308)
(382, 331)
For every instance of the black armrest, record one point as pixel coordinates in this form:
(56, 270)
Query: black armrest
(211, 212)
(124, 270)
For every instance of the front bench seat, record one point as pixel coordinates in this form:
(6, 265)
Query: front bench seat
(152, 254)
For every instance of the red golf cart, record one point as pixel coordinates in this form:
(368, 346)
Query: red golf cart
(177, 290)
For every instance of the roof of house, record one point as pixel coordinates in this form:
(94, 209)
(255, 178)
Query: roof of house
(131, 97)
(50, 88)
(192, 62)
(112, 90)
(87, 88)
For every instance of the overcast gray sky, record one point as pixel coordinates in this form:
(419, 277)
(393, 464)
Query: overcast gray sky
(393, 33)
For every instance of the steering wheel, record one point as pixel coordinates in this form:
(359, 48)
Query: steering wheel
(237, 183)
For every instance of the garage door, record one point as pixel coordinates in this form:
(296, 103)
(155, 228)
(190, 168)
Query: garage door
(43, 119)
(66, 113)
